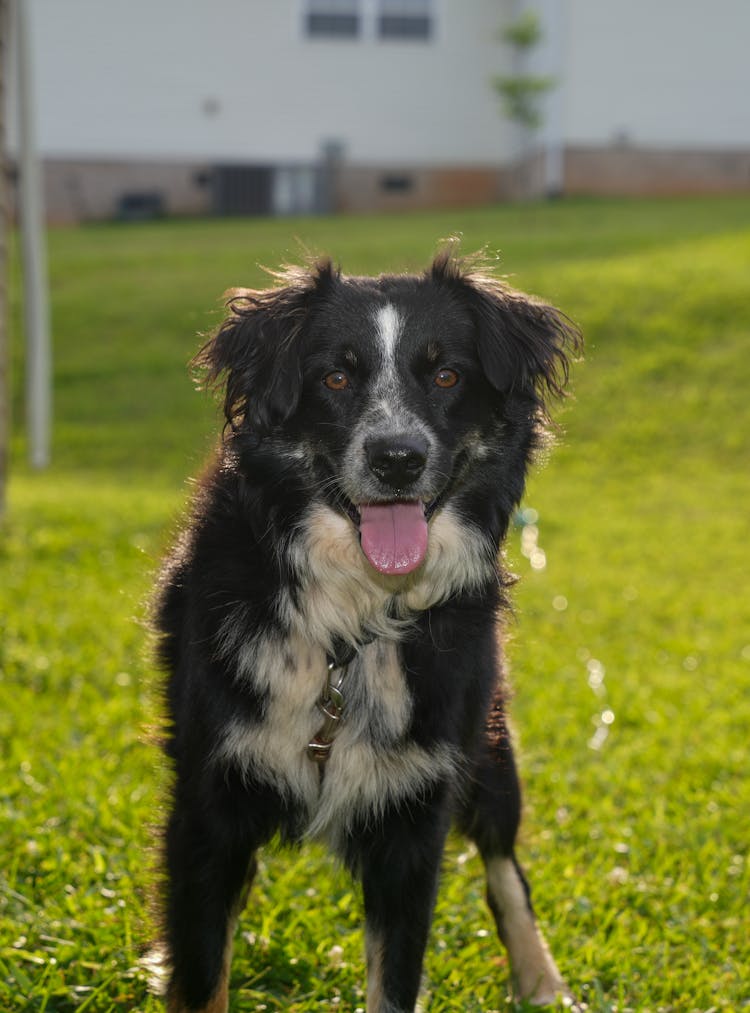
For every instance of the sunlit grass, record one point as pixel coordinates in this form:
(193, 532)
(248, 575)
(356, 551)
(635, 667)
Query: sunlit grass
(630, 649)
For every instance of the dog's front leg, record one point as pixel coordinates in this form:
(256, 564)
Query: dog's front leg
(208, 878)
(491, 816)
(399, 866)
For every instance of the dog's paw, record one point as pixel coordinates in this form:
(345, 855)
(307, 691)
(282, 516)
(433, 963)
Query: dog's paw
(560, 999)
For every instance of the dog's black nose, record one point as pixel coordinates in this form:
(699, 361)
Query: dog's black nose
(397, 461)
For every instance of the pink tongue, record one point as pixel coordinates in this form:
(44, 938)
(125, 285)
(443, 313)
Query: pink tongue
(393, 536)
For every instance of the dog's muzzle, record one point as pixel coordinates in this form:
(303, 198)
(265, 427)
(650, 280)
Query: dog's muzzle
(393, 526)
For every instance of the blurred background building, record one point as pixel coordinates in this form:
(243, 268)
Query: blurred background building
(294, 106)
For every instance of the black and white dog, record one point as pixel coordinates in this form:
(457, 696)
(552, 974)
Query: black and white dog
(329, 618)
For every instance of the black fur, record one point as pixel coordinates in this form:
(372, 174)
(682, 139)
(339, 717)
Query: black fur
(268, 581)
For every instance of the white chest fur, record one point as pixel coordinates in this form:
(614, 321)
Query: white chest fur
(372, 763)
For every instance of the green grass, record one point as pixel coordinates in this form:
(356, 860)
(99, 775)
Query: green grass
(636, 831)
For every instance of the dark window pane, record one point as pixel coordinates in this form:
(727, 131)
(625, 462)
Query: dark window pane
(395, 26)
(340, 26)
(396, 184)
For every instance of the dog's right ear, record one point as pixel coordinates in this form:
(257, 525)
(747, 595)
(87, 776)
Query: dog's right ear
(256, 353)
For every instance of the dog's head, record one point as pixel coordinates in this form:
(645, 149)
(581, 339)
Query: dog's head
(394, 393)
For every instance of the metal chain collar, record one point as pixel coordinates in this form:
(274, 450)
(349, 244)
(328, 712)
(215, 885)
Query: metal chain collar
(331, 706)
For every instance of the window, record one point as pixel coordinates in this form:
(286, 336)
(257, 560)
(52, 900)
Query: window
(396, 183)
(369, 19)
(337, 19)
(404, 19)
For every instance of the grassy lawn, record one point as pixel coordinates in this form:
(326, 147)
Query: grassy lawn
(630, 649)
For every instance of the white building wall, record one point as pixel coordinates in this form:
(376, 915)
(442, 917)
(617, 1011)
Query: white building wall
(239, 80)
(657, 73)
(149, 95)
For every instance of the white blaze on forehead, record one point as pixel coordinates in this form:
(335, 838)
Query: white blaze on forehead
(388, 324)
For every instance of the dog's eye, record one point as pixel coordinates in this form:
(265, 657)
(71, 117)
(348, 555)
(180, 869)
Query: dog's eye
(446, 378)
(336, 380)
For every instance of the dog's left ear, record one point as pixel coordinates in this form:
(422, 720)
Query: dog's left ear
(525, 345)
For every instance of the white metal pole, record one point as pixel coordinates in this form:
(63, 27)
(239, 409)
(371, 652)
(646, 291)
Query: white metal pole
(34, 253)
(555, 141)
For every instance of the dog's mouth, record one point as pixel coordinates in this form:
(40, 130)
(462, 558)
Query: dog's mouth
(393, 535)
